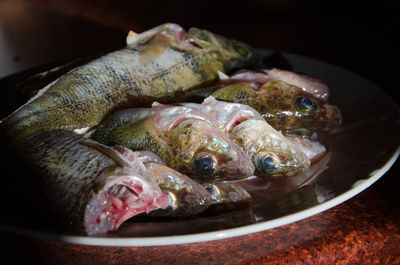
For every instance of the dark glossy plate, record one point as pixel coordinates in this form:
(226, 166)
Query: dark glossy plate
(360, 151)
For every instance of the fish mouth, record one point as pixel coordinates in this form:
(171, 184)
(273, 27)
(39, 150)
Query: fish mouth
(254, 79)
(231, 124)
(121, 198)
(183, 38)
(196, 39)
(178, 33)
(236, 120)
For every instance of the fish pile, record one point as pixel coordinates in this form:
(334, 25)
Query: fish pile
(118, 137)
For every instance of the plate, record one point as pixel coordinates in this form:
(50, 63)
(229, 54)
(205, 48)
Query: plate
(360, 151)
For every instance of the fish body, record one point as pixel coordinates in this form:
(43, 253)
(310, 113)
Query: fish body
(284, 106)
(272, 154)
(159, 65)
(76, 174)
(182, 137)
(85, 186)
(308, 84)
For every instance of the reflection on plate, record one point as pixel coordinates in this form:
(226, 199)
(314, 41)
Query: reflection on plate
(360, 151)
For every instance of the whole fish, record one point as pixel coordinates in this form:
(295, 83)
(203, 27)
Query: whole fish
(285, 107)
(182, 137)
(186, 196)
(308, 84)
(160, 64)
(157, 65)
(81, 185)
(272, 154)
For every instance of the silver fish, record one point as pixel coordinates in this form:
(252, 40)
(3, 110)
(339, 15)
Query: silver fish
(186, 196)
(270, 151)
(183, 137)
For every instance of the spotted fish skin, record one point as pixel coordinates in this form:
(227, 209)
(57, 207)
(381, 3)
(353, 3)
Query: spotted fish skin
(81, 185)
(285, 107)
(183, 137)
(292, 103)
(76, 180)
(162, 64)
(159, 65)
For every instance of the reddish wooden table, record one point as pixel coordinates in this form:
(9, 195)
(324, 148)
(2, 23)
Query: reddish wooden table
(363, 230)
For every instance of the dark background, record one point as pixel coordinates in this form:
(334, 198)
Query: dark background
(361, 36)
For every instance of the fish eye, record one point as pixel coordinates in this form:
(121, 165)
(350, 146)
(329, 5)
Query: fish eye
(213, 191)
(268, 163)
(306, 105)
(241, 50)
(205, 164)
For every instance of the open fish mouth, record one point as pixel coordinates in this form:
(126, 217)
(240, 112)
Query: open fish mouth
(238, 113)
(121, 198)
(181, 37)
(177, 32)
(187, 40)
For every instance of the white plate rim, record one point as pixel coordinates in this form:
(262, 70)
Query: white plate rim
(209, 236)
(357, 188)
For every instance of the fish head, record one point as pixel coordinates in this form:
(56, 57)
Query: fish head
(126, 192)
(201, 149)
(186, 196)
(272, 162)
(272, 154)
(295, 111)
(228, 51)
(284, 106)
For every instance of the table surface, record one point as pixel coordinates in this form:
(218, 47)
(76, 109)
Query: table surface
(363, 230)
